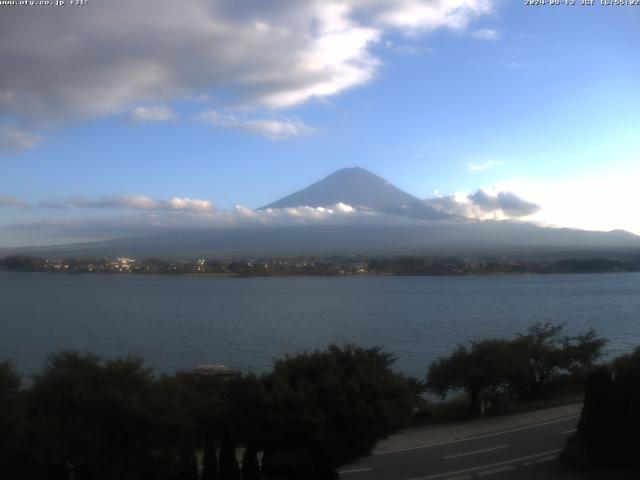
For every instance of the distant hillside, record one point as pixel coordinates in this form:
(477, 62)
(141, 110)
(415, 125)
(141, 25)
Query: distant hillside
(432, 238)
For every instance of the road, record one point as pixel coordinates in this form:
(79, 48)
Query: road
(502, 454)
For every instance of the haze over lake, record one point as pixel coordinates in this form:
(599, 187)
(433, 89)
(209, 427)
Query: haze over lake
(178, 322)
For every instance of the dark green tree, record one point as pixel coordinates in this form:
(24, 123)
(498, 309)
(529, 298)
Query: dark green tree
(542, 359)
(175, 410)
(229, 468)
(12, 421)
(209, 459)
(609, 427)
(93, 415)
(330, 408)
(476, 369)
(594, 428)
(188, 465)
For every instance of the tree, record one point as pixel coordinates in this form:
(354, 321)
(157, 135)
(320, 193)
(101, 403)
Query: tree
(535, 363)
(330, 408)
(595, 422)
(229, 468)
(481, 367)
(609, 427)
(187, 465)
(11, 420)
(24, 263)
(94, 415)
(581, 352)
(175, 406)
(250, 464)
(209, 459)
(541, 357)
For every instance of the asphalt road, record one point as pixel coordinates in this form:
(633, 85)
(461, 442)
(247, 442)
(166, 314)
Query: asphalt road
(507, 454)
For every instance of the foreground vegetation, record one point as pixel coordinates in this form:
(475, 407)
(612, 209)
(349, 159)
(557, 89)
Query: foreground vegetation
(608, 433)
(539, 364)
(87, 418)
(112, 419)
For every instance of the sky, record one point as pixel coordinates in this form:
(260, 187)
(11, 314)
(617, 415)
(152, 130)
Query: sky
(121, 118)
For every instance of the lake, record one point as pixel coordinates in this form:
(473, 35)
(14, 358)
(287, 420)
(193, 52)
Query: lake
(178, 322)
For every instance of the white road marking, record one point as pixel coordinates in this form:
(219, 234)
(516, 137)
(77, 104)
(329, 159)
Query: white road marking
(355, 470)
(486, 435)
(475, 452)
(546, 459)
(567, 432)
(491, 465)
(506, 468)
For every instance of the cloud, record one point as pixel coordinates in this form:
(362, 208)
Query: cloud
(407, 49)
(604, 202)
(485, 205)
(65, 64)
(13, 139)
(508, 202)
(148, 220)
(478, 167)
(420, 16)
(271, 128)
(278, 129)
(12, 202)
(486, 34)
(158, 113)
(135, 202)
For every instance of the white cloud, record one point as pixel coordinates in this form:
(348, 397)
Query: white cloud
(606, 202)
(136, 202)
(64, 64)
(485, 204)
(478, 167)
(158, 113)
(602, 203)
(278, 129)
(486, 34)
(13, 139)
(271, 128)
(177, 203)
(419, 16)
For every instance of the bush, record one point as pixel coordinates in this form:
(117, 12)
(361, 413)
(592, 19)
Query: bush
(535, 365)
(609, 426)
(331, 408)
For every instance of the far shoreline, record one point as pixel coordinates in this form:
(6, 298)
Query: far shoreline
(303, 275)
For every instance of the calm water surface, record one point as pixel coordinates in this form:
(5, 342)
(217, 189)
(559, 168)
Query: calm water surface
(177, 322)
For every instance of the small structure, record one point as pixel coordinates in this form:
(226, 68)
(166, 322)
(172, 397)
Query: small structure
(211, 370)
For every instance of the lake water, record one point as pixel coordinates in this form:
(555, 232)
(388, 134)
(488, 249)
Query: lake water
(178, 322)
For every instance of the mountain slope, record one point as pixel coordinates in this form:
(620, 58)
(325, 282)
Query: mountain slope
(354, 186)
(359, 187)
(427, 238)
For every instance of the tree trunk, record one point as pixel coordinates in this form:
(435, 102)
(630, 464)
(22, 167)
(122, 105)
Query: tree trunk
(210, 460)
(229, 468)
(250, 464)
(474, 404)
(188, 468)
